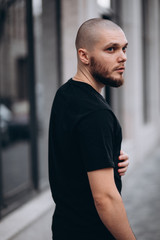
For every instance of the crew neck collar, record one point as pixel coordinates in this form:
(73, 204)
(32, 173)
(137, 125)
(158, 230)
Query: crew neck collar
(85, 84)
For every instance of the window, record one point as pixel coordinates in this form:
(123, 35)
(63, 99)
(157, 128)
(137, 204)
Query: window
(15, 105)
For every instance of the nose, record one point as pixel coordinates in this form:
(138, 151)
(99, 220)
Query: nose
(122, 57)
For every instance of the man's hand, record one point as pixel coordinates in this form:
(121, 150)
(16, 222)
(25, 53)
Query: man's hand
(123, 166)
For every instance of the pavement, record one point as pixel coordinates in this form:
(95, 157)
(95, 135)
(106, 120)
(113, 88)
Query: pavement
(141, 196)
(30, 221)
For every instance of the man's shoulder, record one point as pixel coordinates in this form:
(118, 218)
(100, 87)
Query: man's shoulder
(84, 100)
(63, 93)
(63, 87)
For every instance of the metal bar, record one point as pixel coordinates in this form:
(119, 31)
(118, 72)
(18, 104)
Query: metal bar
(31, 80)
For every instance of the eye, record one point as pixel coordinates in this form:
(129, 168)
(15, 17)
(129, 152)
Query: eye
(110, 49)
(124, 49)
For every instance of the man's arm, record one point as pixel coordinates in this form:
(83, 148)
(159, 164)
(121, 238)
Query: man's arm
(109, 204)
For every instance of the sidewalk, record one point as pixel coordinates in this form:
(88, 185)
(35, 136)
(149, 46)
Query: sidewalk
(141, 195)
(31, 221)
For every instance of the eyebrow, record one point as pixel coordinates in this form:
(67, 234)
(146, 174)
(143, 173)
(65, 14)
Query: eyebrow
(112, 44)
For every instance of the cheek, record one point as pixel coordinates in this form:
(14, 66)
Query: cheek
(109, 62)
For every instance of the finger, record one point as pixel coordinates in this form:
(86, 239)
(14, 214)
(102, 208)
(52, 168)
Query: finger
(123, 157)
(123, 164)
(122, 152)
(121, 174)
(122, 170)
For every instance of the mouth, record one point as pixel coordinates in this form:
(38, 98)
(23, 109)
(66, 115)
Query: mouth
(120, 69)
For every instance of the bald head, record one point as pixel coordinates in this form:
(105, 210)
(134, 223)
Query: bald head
(89, 32)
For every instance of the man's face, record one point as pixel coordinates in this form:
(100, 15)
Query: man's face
(108, 57)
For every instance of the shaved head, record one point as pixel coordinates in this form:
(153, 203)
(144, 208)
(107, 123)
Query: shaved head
(89, 32)
(101, 52)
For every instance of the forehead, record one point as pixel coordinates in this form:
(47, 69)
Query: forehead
(107, 37)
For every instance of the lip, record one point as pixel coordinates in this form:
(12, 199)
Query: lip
(121, 69)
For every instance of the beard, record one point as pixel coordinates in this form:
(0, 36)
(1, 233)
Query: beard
(102, 75)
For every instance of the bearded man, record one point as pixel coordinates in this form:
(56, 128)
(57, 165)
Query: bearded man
(85, 157)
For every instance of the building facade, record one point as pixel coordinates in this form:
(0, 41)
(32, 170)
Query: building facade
(37, 55)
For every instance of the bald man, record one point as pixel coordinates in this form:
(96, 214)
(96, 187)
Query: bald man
(85, 157)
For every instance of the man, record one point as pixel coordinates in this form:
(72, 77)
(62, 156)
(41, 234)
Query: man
(85, 141)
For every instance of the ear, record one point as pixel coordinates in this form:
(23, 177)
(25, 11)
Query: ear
(83, 56)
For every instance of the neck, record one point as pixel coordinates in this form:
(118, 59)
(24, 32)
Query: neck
(83, 75)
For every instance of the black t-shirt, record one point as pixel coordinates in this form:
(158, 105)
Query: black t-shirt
(84, 135)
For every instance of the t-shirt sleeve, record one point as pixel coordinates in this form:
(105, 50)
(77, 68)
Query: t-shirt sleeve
(96, 132)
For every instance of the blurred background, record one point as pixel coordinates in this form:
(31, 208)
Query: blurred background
(37, 55)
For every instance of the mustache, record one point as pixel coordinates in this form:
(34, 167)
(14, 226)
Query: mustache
(119, 67)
